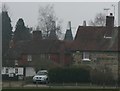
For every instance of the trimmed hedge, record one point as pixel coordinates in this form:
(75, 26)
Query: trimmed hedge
(69, 75)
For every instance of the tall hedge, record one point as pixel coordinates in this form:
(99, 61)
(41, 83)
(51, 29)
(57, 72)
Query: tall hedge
(69, 75)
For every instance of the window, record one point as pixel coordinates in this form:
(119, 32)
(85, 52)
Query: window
(7, 70)
(16, 70)
(86, 56)
(29, 58)
(16, 62)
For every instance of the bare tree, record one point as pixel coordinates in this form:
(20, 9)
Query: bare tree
(99, 20)
(45, 20)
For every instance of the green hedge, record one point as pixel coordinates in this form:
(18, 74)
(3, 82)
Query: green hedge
(69, 75)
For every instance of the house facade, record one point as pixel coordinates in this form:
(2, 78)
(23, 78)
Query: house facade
(96, 46)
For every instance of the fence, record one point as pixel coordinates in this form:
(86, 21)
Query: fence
(24, 84)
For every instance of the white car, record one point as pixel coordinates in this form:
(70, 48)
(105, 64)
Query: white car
(41, 77)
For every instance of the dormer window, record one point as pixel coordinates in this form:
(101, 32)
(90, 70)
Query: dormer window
(86, 56)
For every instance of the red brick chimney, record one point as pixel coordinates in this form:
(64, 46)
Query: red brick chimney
(110, 20)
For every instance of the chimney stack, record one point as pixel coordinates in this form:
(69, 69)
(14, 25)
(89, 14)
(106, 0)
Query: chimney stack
(84, 23)
(69, 25)
(110, 20)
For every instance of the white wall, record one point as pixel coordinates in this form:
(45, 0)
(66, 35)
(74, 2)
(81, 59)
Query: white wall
(30, 71)
(12, 70)
(20, 71)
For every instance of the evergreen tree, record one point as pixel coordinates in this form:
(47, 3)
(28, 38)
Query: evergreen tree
(21, 32)
(6, 33)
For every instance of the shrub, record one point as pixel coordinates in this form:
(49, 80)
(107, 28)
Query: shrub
(69, 75)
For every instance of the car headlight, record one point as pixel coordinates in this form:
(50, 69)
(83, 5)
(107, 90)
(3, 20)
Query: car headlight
(34, 78)
(43, 78)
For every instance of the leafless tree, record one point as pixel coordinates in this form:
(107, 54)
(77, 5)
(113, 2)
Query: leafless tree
(46, 17)
(99, 20)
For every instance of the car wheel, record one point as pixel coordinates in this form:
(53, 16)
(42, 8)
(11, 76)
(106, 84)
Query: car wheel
(34, 82)
(46, 82)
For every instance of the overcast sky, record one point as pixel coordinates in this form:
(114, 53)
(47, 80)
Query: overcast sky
(75, 12)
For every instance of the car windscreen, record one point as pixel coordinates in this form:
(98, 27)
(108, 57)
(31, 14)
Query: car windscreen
(42, 73)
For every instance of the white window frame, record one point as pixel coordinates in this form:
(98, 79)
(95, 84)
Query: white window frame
(86, 56)
(16, 70)
(107, 37)
(6, 70)
(29, 58)
(16, 62)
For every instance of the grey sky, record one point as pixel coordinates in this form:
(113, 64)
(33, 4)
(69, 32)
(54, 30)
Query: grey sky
(67, 11)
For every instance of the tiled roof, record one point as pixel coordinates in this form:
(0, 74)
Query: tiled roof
(41, 46)
(89, 38)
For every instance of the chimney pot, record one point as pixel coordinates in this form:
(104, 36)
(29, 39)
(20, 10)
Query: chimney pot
(111, 14)
(84, 23)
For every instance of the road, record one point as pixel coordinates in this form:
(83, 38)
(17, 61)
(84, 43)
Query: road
(30, 85)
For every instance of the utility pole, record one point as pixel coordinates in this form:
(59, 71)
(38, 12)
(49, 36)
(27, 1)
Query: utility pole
(0, 7)
(114, 8)
(114, 12)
